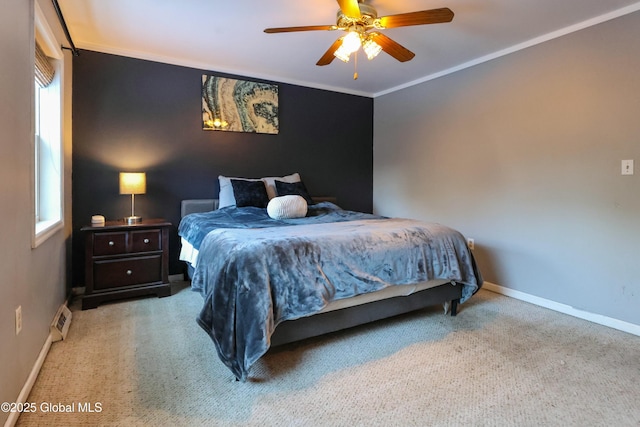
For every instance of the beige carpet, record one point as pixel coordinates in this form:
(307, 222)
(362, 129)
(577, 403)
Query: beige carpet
(499, 362)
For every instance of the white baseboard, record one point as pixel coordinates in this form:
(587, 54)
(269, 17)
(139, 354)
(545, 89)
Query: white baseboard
(33, 375)
(566, 309)
(31, 380)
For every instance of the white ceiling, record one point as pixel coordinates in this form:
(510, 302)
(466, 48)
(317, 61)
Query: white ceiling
(228, 36)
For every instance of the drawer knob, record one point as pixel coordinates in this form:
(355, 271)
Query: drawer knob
(146, 240)
(129, 272)
(111, 243)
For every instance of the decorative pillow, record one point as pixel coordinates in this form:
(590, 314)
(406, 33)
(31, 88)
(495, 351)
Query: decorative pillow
(226, 198)
(269, 182)
(249, 193)
(297, 188)
(291, 206)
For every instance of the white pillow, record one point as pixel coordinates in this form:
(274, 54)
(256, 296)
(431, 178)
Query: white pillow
(290, 206)
(226, 198)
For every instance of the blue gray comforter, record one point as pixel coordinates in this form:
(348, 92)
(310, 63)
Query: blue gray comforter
(254, 272)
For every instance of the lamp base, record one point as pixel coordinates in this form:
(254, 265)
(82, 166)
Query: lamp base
(133, 220)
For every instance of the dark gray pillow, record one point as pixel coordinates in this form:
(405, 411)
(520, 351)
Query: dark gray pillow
(293, 188)
(249, 193)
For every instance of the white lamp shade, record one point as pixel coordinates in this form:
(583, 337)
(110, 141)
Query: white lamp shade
(133, 183)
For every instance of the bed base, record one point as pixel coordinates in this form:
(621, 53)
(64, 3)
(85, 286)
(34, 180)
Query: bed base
(332, 321)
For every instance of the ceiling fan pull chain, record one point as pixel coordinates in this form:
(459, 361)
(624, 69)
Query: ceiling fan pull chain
(355, 66)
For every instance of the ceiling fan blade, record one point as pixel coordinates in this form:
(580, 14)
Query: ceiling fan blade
(432, 16)
(350, 8)
(393, 48)
(328, 55)
(303, 28)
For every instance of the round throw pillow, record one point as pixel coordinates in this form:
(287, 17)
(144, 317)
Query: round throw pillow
(290, 206)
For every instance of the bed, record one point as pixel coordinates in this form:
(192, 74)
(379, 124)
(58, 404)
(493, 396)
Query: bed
(268, 281)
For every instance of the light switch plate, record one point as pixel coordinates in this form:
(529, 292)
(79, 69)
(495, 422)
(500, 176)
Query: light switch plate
(627, 167)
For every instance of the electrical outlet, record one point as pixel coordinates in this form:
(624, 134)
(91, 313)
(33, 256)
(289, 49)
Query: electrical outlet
(471, 243)
(18, 319)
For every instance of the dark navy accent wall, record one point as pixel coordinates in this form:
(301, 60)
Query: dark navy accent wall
(137, 115)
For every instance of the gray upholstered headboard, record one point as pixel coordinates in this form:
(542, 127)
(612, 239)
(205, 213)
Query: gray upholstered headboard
(197, 205)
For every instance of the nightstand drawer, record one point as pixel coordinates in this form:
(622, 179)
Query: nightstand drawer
(114, 273)
(146, 240)
(109, 243)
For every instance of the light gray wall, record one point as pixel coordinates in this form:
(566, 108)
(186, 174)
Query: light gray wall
(32, 278)
(523, 153)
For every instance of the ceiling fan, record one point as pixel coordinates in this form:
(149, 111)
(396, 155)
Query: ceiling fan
(361, 23)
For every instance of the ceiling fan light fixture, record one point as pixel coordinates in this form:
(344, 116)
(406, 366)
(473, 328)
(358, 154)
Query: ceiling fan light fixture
(351, 41)
(371, 48)
(342, 53)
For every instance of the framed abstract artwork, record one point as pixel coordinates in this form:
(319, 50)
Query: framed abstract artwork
(239, 105)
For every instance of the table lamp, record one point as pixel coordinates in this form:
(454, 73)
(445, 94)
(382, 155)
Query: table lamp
(133, 183)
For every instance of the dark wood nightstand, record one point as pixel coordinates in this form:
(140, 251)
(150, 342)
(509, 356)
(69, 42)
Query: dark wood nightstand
(124, 261)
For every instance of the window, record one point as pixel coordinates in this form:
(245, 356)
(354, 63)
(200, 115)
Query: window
(47, 153)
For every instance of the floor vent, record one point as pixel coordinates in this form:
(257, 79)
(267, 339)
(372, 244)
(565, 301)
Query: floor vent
(60, 324)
